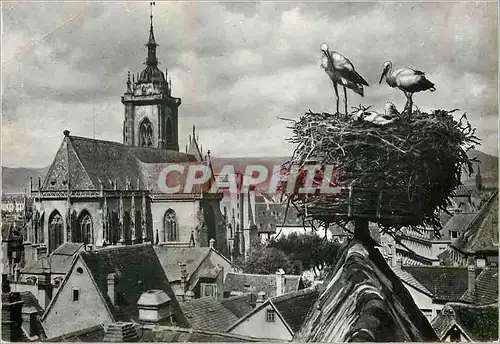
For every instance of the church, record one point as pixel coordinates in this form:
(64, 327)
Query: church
(104, 193)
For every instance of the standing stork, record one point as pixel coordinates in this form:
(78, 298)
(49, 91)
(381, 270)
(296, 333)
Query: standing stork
(341, 71)
(407, 80)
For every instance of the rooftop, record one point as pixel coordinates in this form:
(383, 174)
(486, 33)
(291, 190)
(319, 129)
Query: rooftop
(486, 290)
(244, 283)
(294, 307)
(207, 314)
(170, 257)
(363, 300)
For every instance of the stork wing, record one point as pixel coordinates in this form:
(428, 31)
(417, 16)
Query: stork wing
(345, 68)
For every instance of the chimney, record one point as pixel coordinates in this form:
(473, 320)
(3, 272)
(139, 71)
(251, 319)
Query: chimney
(44, 290)
(112, 282)
(154, 305)
(211, 243)
(29, 315)
(120, 332)
(189, 295)
(183, 277)
(12, 306)
(261, 298)
(280, 282)
(471, 269)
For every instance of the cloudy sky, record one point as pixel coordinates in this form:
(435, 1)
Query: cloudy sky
(236, 66)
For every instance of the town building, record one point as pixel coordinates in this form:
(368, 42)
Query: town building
(278, 318)
(271, 285)
(459, 322)
(103, 193)
(112, 284)
(200, 270)
(207, 314)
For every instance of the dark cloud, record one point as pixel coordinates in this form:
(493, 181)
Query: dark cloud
(237, 66)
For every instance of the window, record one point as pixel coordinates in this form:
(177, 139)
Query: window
(454, 335)
(79, 270)
(454, 234)
(209, 290)
(146, 133)
(86, 228)
(270, 315)
(170, 226)
(76, 294)
(55, 230)
(427, 313)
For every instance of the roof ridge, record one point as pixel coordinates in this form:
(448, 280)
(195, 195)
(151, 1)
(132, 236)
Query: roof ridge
(293, 294)
(114, 248)
(249, 274)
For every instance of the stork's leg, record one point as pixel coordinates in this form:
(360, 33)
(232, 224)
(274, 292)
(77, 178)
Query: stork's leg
(407, 103)
(336, 95)
(410, 104)
(345, 99)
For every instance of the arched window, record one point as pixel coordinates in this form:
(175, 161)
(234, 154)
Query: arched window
(170, 226)
(146, 133)
(56, 230)
(85, 228)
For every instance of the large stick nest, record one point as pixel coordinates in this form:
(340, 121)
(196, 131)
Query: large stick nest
(399, 174)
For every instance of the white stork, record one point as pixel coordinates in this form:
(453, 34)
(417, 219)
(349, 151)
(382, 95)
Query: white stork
(341, 71)
(407, 80)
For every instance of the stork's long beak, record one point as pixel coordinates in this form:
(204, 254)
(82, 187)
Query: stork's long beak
(384, 73)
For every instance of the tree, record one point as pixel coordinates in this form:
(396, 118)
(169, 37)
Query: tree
(309, 249)
(265, 260)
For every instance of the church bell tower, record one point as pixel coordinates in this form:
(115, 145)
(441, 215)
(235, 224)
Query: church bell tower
(151, 113)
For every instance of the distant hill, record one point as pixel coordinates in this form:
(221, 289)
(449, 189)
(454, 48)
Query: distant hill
(15, 180)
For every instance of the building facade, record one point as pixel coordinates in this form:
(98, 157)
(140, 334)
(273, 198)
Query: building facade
(103, 193)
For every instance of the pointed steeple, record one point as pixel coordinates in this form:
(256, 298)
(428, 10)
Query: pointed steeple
(152, 60)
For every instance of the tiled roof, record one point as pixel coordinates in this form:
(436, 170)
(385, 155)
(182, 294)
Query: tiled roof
(55, 264)
(87, 163)
(240, 282)
(445, 283)
(461, 191)
(458, 222)
(294, 307)
(240, 305)
(68, 249)
(363, 300)
(174, 335)
(94, 334)
(207, 314)
(410, 280)
(478, 238)
(486, 290)
(137, 269)
(480, 323)
(170, 257)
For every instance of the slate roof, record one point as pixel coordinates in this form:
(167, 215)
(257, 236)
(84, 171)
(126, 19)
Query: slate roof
(207, 314)
(240, 305)
(458, 222)
(54, 264)
(137, 269)
(363, 300)
(486, 290)
(86, 163)
(445, 283)
(68, 249)
(170, 257)
(169, 334)
(237, 282)
(294, 307)
(480, 323)
(410, 280)
(478, 238)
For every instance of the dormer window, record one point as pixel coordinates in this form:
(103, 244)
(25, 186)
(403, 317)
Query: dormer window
(270, 315)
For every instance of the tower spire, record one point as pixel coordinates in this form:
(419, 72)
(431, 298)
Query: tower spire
(152, 60)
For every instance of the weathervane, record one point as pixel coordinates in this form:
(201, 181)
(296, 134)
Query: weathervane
(151, 4)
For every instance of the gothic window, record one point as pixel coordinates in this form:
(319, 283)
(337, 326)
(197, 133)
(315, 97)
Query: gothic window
(85, 228)
(56, 230)
(171, 226)
(146, 133)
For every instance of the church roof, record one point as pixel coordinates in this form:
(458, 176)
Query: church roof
(363, 300)
(87, 163)
(170, 257)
